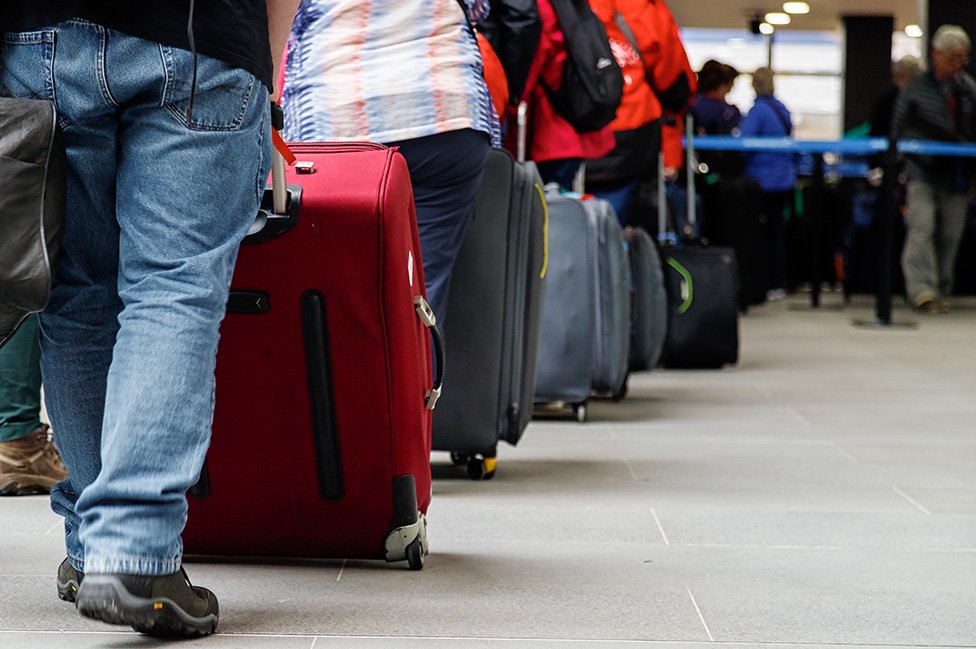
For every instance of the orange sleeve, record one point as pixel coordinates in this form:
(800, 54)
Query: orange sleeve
(671, 145)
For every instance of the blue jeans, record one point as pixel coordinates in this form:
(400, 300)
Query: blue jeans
(157, 207)
(621, 198)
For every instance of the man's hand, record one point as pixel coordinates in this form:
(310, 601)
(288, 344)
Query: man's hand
(281, 14)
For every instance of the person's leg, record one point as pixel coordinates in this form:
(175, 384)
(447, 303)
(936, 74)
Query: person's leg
(774, 207)
(621, 198)
(918, 260)
(446, 171)
(186, 195)
(20, 384)
(78, 327)
(562, 172)
(952, 223)
(29, 463)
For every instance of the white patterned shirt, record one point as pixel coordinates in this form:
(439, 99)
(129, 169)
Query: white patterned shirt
(385, 70)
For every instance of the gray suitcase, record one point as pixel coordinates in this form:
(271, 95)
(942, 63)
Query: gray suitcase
(492, 322)
(585, 340)
(611, 349)
(649, 301)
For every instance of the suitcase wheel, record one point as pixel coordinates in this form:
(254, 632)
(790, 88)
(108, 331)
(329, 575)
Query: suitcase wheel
(479, 468)
(580, 411)
(622, 392)
(482, 468)
(415, 554)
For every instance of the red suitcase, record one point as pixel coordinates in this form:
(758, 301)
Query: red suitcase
(322, 427)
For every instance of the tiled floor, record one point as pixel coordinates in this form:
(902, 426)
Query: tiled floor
(820, 494)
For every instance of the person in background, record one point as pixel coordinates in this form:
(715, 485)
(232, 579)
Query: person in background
(404, 73)
(902, 71)
(553, 144)
(636, 127)
(658, 83)
(939, 104)
(29, 462)
(713, 114)
(513, 27)
(168, 149)
(775, 172)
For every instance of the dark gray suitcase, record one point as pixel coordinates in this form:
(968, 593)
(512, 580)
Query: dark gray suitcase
(649, 302)
(611, 349)
(564, 372)
(492, 322)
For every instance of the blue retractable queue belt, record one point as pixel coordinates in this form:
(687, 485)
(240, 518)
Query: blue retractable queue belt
(859, 147)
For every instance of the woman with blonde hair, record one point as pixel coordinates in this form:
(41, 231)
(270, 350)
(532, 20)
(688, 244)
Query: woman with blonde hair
(775, 172)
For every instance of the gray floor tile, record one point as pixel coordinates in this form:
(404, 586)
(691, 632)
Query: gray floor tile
(526, 590)
(821, 494)
(132, 640)
(827, 530)
(29, 515)
(843, 596)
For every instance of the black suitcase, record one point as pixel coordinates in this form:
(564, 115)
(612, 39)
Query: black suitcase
(702, 287)
(493, 315)
(649, 301)
(703, 325)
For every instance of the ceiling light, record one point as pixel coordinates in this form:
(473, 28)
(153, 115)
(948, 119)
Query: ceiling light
(913, 31)
(796, 7)
(778, 18)
(766, 28)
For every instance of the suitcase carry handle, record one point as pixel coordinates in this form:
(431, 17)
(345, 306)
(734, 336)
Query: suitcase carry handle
(429, 320)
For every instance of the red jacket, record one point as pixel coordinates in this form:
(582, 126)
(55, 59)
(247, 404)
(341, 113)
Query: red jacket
(550, 136)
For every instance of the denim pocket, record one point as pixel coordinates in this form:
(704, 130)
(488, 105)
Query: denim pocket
(221, 96)
(27, 66)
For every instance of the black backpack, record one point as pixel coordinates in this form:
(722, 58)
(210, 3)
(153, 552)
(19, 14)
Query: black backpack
(592, 83)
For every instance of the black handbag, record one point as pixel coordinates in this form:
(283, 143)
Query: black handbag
(33, 165)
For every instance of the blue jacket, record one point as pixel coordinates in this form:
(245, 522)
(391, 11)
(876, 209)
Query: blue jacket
(774, 172)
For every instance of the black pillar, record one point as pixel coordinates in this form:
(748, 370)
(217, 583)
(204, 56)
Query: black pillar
(867, 64)
(952, 12)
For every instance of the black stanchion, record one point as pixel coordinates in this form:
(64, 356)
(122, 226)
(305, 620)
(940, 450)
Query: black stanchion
(888, 212)
(818, 193)
(815, 210)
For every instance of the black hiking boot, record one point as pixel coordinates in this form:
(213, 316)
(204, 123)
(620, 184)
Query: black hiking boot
(69, 580)
(157, 605)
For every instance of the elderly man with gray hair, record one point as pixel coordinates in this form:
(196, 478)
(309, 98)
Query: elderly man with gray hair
(939, 104)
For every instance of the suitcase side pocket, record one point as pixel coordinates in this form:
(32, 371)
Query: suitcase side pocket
(318, 366)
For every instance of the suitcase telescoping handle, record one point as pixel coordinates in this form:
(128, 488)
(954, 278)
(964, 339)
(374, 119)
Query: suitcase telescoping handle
(522, 121)
(690, 168)
(279, 190)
